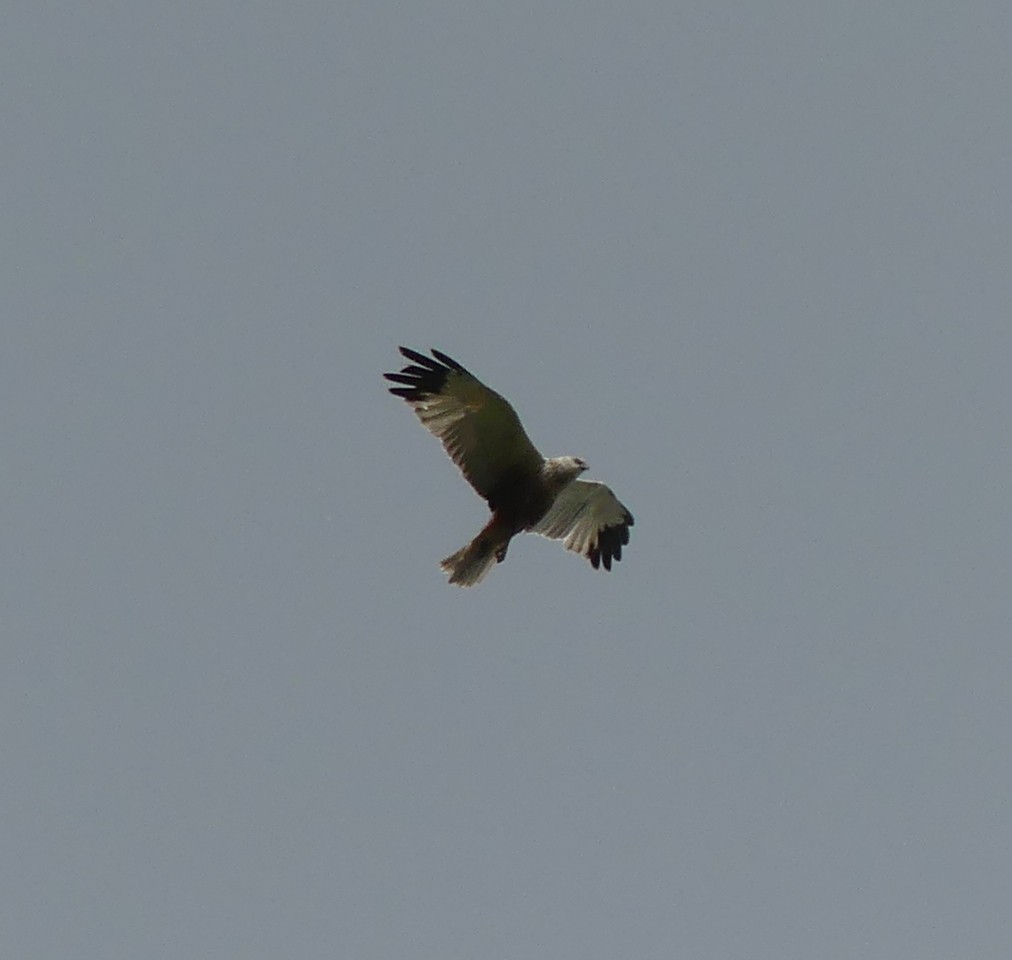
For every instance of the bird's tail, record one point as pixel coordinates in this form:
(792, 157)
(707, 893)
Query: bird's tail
(471, 564)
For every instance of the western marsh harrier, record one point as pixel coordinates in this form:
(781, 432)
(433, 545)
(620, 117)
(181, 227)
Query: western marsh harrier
(525, 492)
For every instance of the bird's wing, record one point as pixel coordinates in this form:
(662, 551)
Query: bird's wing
(479, 430)
(590, 520)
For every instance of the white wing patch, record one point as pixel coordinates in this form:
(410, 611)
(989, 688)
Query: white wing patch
(590, 520)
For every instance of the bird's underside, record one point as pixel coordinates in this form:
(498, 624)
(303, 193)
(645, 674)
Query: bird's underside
(525, 492)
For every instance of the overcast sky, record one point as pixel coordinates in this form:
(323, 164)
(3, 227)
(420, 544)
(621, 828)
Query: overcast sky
(750, 260)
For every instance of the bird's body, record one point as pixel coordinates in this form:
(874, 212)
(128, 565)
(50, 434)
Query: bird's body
(525, 492)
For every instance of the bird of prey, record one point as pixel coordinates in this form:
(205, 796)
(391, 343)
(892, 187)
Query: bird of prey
(525, 492)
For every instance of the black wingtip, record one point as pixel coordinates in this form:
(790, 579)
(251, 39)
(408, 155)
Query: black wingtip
(425, 361)
(448, 361)
(610, 541)
(425, 376)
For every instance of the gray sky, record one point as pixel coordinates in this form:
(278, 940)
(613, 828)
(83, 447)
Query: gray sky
(751, 261)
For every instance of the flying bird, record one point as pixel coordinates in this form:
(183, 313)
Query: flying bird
(525, 491)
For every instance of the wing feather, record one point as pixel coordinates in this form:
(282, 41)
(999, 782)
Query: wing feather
(478, 428)
(590, 520)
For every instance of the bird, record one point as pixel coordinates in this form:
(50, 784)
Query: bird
(525, 491)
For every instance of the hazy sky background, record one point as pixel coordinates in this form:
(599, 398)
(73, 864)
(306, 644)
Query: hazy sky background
(750, 260)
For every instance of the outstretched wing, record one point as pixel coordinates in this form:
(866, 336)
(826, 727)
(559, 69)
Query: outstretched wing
(479, 430)
(590, 520)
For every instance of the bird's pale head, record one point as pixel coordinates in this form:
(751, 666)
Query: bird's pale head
(562, 470)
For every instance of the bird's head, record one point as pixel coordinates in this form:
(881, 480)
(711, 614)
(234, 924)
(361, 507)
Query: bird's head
(562, 470)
